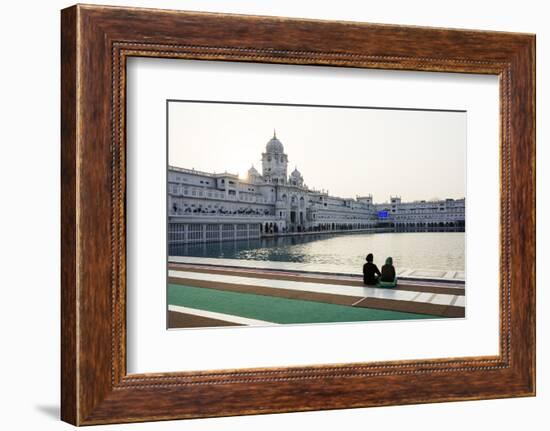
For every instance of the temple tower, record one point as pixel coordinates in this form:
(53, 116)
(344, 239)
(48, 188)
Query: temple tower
(274, 162)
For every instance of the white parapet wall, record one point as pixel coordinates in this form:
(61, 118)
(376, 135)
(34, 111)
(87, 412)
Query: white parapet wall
(403, 273)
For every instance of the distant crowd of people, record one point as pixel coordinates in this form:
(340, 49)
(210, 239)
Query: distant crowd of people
(372, 276)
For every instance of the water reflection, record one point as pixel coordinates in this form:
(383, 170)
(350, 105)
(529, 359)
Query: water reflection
(422, 250)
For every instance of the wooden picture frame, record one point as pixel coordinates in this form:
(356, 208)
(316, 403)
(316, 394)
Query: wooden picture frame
(95, 43)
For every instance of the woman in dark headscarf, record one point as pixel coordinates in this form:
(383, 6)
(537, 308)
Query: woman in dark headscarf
(388, 278)
(371, 273)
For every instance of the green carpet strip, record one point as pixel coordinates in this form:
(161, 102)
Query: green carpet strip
(275, 309)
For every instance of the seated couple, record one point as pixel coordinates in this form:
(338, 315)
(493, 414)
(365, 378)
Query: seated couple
(373, 277)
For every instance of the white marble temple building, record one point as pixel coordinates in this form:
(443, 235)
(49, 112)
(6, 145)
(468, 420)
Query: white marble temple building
(205, 206)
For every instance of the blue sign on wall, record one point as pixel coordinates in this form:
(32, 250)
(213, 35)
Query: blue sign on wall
(382, 214)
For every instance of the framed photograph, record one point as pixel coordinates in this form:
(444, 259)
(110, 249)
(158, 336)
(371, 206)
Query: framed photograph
(265, 214)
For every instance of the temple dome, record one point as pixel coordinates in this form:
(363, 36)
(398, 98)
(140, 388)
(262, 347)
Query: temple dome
(274, 145)
(296, 173)
(252, 172)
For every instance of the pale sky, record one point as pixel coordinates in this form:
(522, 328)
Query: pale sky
(347, 151)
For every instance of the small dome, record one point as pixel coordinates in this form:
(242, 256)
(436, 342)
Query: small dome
(296, 173)
(274, 145)
(252, 172)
